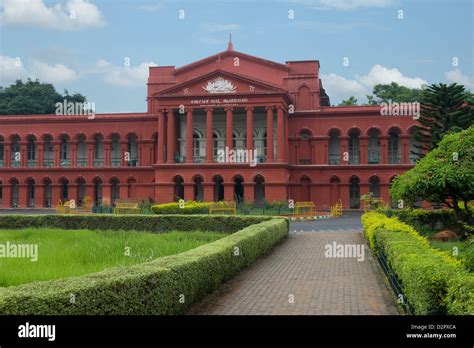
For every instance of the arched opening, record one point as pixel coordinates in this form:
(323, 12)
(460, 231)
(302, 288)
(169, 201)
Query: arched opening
(354, 152)
(199, 149)
(354, 192)
(373, 148)
(1, 193)
(30, 193)
(304, 98)
(304, 148)
(64, 189)
(15, 154)
(48, 151)
(305, 188)
(374, 186)
(239, 189)
(218, 142)
(132, 188)
(31, 151)
(218, 188)
(394, 150)
(155, 147)
(65, 152)
(97, 191)
(98, 150)
(393, 201)
(335, 192)
(198, 189)
(14, 192)
(115, 151)
(334, 148)
(132, 149)
(178, 188)
(48, 193)
(259, 190)
(81, 191)
(114, 190)
(2, 152)
(81, 151)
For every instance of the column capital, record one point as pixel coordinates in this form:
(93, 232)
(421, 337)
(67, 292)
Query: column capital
(228, 108)
(207, 109)
(249, 108)
(271, 107)
(160, 111)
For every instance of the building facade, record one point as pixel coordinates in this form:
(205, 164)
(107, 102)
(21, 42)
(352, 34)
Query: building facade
(228, 127)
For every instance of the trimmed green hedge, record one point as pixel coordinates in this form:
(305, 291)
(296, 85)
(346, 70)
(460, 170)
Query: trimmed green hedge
(189, 207)
(168, 285)
(215, 223)
(433, 281)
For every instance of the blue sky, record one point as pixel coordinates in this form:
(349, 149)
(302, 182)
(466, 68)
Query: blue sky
(82, 45)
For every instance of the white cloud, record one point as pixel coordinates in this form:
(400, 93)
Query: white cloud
(75, 15)
(336, 85)
(339, 87)
(12, 69)
(382, 75)
(53, 73)
(457, 76)
(126, 76)
(346, 4)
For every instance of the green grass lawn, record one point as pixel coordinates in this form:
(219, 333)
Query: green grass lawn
(65, 253)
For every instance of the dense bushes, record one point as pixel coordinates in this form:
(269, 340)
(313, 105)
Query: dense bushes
(433, 281)
(165, 286)
(151, 223)
(190, 207)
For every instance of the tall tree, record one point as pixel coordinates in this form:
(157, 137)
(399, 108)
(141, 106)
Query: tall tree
(395, 93)
(349, 102)
(444, 109)
(33, 97)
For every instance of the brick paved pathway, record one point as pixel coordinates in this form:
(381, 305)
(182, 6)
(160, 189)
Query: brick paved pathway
(299, 270)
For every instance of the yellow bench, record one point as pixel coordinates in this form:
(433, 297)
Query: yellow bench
(223, 208)
(305, 208)
(126, 208)
(336, 209)
(67, 207)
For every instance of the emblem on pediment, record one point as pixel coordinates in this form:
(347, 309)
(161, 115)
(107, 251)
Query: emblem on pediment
(220, 85)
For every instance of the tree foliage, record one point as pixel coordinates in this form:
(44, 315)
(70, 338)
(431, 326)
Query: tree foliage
(395, 93)
(445, 175)
(444, 109)
(349, 102)
(33, 97)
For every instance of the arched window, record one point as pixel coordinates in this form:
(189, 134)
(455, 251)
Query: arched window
(64, 193)
(218, 143)
(14, 192)
(259, 190)
(48, 193)
(48, 151)
(198, 189)
(178, 188)
(373, 150)
(81, 151)
(31, 151)
(114, 191)
(199, 151)
(304, 148)
(64, 152)
(218, 188)
(97, 191)
(132, 149)
(354, 153)
(30, 191)
(81, 191)
(15, 148)
(98, 151)
(354, 193)
(2, 152)
(414, 147)
(239, 189)
(394, 149)
(115, 151)
(334, 147)
(375, 186)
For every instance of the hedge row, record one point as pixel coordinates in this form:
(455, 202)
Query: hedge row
(189, 207)
(433, 281)
(428, 221)
(168, 285)
(151, 223)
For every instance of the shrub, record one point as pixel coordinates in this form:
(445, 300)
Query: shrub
(154, 287)
(152, 223)
(189, 207)
(426, 274)
(460, 298)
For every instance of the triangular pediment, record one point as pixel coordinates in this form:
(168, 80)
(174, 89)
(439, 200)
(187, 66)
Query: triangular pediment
(220, 82)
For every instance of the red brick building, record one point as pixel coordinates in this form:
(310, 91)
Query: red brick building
(305, 149)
